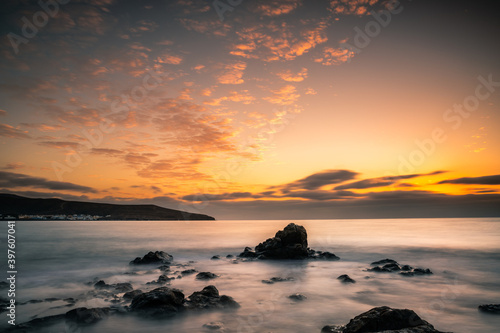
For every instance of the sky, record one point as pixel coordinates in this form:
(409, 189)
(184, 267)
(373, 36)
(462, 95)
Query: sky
(244, 109)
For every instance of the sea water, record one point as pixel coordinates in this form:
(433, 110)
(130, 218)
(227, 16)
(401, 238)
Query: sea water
(59, 260)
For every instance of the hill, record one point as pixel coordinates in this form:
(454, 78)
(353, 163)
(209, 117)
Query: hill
(15, 205)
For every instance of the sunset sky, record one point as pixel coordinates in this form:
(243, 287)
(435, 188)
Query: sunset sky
(271, 109)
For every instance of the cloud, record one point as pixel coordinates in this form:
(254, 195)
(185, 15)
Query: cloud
(284, 96)
(106, 151)
(14, 166)
(43, 127)
(60, 144)
(335, 56)
(218, 197)
(277, 7)
(273, 42)
(311, 91)
(15, 180)
(383, 181)
(354, 7)
(291, 77)
(318, 180)
(233, 73)
(484, 180)
(3, 112)
(234, 96)
(9, 131)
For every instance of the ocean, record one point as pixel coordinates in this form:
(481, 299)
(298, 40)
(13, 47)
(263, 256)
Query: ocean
(60, 260)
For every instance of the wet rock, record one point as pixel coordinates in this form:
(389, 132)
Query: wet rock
(346, 279)
(490, 308)
(391, 266)
(160, 302)
(87, 316)
(209, 298)
(229, 256)
(206, 276)
(384, 319)
(289, 243)
(164, 268)
(215, 325)
(189, 271)
(248, 253)
(216, 257)
(162, 279)
(37, 323)
(116, 288)
(131, 294)
(297, 297)
(158, 257)
(278, 279)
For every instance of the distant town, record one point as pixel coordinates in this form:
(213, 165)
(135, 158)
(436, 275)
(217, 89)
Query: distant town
(58, 217)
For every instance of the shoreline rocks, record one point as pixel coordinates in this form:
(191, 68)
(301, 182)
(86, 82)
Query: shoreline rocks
(490, 308)
(289, 243)
(384, 319)
(392, 266)
(157, 257)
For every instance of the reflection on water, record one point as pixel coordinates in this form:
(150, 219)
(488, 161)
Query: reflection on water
(58, 259)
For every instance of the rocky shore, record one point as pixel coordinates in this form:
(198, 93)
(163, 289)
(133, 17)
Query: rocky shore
(157, 299)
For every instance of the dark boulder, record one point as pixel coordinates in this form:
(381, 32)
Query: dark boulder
(189, 271)
(346, 279)
(490, 308)
(158, 257)
(391, 266)
(384, 319)
(131, 294)
(289, 243)
(209, 298)
(116, 288)
(278, 279)
(160, 302)
(87, 316)
(297, 297)
(216, 257)
(206, 276)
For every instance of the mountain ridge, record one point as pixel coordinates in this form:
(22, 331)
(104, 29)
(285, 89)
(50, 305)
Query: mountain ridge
(12, 204)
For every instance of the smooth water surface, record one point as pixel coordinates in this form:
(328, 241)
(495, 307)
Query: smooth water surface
(61, 259)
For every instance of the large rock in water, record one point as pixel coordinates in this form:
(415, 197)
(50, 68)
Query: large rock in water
(160, 302)
(384, 319)
(157, 257)
(289, 243)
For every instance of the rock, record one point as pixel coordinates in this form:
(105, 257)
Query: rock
(216, 257)
(116, 288)
(384, 319)
(390, 266)
(322, 255)
(160, 302)
(87, 316)
(490, 308)
(189, 271)
(209, 298)
(278, 279)
(346, 279)
(131, 294)
(162, 279)
(215, 325)
(158, 257)
(229, 256)
(164, 268)
(248, 253)
(289, 243)
(206, 276)
(297, 297)
(384, 261)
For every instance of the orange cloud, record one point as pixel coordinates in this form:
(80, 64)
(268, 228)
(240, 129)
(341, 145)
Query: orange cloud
(279, 42)
(233, 73)
(44, 127)
(352, 7)
(9, 131)
(290, 77)
(332, 56)
(277, 7)
(233, 96)
(284, 96)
